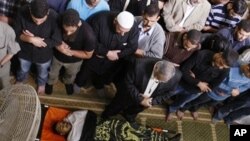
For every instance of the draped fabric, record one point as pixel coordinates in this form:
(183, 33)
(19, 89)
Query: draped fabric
(121, 130)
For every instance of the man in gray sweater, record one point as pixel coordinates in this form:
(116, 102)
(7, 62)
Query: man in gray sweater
(151, 38)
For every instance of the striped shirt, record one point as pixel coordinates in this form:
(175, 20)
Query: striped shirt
(219, 18)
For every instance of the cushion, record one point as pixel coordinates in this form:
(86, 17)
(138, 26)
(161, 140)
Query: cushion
(52, 116)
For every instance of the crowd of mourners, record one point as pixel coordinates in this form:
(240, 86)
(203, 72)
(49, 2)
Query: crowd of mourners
(185, 54)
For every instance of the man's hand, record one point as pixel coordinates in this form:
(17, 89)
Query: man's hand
(139, 53)
(113, 55)
(64, 49)
(235, 92)
(204, 87)
(146, 102)
(179, 28)
(38, 42)
(28, 33)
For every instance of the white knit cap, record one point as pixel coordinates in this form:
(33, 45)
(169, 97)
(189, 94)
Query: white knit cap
(125, 19)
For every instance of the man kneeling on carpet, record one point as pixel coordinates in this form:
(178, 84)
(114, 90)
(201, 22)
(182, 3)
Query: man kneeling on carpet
(84, 125)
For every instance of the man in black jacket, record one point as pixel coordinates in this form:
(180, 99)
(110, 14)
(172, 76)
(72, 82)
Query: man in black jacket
(148, 82)
(117, 40)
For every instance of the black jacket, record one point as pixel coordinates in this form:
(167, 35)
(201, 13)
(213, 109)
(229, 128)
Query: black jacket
(137, 79)
(201, 65)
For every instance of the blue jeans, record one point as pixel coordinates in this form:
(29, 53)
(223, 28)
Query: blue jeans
(182, 98)
(42, 70)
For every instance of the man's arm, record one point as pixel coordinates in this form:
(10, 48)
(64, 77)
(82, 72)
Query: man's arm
(167, 14)
(29, 37)
(82, 54)
(12, 46)
(156, 44)
(88, 46)
(131, 88)
(132, 43)
(165, 94)
(96, 25)
(200, 24)
(186, 69)
(5, 59)
(208, 23)
(55, 37)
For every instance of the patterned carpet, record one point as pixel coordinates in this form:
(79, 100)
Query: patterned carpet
(200, 130)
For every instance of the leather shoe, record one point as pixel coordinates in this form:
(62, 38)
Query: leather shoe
(195, 115)
(180, 114)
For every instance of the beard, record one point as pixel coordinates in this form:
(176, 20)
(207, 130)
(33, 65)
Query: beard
(71, 37)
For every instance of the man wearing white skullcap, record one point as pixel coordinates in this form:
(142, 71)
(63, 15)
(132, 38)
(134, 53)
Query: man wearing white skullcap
(117, 37)
(125, 19)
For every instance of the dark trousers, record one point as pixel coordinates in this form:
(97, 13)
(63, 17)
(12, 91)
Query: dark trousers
(123, 103)
(199, 102)
(182, 98)
(243, 101)
(86, 75)
(237, 114)
(99, 78)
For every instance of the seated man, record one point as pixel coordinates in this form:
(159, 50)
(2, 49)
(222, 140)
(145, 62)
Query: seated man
(152, 37)
(225, 15)
(238, 36)
(85, 126)
(180, 46)
(149, 81)
(184, 15)
(216, 43)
